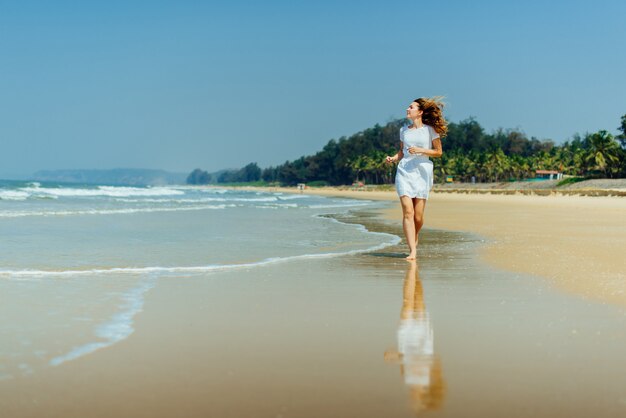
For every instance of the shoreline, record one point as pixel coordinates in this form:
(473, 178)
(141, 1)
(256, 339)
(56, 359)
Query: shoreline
(575, 242)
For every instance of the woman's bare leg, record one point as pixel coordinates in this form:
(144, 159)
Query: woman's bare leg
(418, 210)
(408, 225)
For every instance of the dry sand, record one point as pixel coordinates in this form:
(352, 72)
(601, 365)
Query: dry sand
(577, 242)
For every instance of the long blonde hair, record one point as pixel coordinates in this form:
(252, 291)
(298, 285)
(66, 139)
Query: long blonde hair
(433, 113)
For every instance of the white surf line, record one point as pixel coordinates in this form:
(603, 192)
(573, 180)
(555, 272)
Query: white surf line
(102, 191)
(117, 328)
(188, 269)
(394, 240)
(108, 211)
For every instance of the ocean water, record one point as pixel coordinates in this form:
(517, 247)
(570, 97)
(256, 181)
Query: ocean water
(77, 261)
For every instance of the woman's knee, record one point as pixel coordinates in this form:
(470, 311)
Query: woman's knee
(419, 219)
(408, 213)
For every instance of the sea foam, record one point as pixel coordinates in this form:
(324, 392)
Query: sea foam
(13, 195)
(117, 328)
(109, 191)
(19, 214)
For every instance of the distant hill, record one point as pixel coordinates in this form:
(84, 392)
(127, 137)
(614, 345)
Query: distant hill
(118, 176)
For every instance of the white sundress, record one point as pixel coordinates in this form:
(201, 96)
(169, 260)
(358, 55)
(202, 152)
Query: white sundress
(414, 177)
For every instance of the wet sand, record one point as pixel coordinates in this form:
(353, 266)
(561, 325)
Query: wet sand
(576, 242)
(368, 336)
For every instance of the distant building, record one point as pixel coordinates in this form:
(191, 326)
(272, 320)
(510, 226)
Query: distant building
(548, 175)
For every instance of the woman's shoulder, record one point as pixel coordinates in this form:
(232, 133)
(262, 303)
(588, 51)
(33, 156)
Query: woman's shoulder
(403, 130)
(431, 129)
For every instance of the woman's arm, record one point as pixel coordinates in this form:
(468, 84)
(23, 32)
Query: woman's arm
(397, 157)
(436, 152)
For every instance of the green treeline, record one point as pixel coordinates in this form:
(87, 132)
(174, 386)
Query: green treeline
(468, 152)
(249, 173)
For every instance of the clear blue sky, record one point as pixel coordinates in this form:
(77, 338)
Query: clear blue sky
(185, 84)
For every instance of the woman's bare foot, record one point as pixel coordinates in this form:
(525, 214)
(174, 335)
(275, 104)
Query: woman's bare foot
(412, 256)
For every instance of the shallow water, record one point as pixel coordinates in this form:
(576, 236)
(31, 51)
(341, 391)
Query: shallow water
(77, 260)
(82, 228)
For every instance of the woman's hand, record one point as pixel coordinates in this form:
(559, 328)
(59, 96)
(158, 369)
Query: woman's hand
(391, 159)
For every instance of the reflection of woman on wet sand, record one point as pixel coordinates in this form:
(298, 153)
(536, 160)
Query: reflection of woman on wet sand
(415, 353)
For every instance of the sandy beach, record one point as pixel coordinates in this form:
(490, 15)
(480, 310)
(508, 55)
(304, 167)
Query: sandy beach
(367, 335)
(472, 329)
(576, 242)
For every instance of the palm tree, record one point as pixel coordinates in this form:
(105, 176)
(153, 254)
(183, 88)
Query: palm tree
(357, 165)
(369, 168)
(461, 167)
(565, 159)
(497, 164)
(380, 166)
(579, 162)
(517, 167)
(604, 153)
